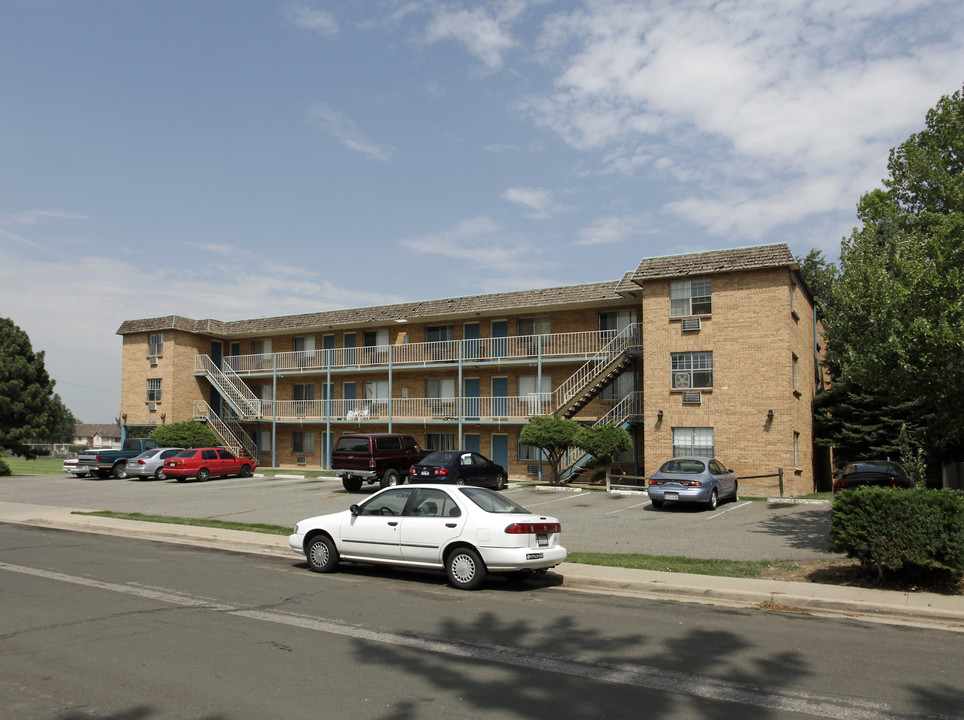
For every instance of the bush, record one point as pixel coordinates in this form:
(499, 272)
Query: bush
(4, 468)
(186, 434)
(904, 533)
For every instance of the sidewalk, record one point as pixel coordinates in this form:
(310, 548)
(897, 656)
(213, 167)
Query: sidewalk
(928, 609)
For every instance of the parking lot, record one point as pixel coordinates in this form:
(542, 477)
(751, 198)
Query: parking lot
(591, 521)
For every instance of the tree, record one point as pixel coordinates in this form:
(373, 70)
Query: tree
(603, 441)
(554, 436)
(27, 411)
(63, 424)
(820, 275)
(186, 434)
(897, 320)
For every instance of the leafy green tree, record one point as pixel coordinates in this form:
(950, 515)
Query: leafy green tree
(897, 320)
(603, 441)
(64, 424)
(27, 411)
(186, 434)
(554, 436)
(820, 275)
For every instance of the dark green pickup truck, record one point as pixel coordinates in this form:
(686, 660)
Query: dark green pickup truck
(104, 463)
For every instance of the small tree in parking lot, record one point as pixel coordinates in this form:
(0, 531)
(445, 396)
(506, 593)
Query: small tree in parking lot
(186, 434)
(553, 436)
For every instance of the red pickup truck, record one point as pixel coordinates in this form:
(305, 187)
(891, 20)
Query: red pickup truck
(385, 457)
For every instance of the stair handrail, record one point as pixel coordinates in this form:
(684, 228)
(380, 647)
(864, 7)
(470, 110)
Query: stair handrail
(231, 386)
(621, 342)
(620, 413)
(239, 446)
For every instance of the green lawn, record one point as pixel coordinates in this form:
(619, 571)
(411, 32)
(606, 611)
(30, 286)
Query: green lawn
(38, 466)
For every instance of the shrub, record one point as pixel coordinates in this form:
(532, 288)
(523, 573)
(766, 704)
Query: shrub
(186, 434)
(4, 468)
(901, 532)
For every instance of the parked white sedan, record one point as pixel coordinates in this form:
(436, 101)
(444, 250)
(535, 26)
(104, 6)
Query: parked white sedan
(467, 531)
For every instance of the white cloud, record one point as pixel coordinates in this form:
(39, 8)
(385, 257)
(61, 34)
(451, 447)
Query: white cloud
(32, 217)
(484, 31)
(614, 229)
(802, 95)
(311, 19)
(538, 200)
(347, 132)
(479, 241)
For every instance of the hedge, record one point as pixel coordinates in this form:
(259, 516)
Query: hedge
(892, 530)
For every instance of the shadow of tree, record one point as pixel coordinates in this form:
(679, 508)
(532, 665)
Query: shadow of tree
(139, 712)
(806, 529)
(552, 671)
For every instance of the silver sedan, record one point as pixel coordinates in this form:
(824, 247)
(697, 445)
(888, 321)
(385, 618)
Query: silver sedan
(150, 463)
(693, 479)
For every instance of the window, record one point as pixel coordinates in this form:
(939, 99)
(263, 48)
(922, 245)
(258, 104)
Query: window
(534, 326)
(302, 442)
(693, 442)
(154, 389)
(531, 453)
(439, 333)
(261, 349)
(796, 449)
(532, 394)
(619, 388)
(376, 390)
(261, 392)
(440, 441)
(795, 362)
(155, 344)
(374, 338)
(614, 322)
(692, 370)
(690, 297)
(262, 440)
(305, 391)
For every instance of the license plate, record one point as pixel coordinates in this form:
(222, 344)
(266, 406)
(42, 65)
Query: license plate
(533, 556)
(672, 496)
(424, 472)
(542, 539)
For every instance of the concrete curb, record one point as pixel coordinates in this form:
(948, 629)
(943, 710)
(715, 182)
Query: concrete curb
(885, 605)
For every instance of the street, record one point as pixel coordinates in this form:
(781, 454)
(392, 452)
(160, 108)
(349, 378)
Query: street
(105, 627)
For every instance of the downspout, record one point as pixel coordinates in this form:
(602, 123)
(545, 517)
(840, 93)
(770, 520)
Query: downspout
(274, 409)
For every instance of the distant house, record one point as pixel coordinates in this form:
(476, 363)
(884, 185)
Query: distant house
(97, 436)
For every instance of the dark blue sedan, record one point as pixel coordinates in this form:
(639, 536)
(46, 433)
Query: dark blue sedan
(460, 467)
(693, 479)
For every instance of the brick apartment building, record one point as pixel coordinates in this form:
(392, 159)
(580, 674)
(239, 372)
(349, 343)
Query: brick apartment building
(706, 353)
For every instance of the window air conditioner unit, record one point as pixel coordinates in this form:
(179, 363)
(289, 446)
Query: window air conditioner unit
(691, 324)
(302, 460)
(693, 397)
(152, 406)
(153, 362)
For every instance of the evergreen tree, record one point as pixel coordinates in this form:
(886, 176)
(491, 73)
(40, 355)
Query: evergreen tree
(27, 411)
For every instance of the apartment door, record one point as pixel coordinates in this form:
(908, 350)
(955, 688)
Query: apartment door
(470, 399)
(471, 347)
(348, 393)
(350, 342)
(500, 397)
(500, 450)
(473, 442)
(500, 331)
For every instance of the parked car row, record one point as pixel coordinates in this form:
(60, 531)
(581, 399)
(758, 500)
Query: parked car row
(180, 463)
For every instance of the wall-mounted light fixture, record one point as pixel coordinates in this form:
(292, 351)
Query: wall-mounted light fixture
(124, 418)
(163, 415)
(659, 416)
(769, 416)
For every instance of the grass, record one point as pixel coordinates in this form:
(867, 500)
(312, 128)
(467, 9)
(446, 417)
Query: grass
(662, 563)
(39, 466)
(195, 522)
(674, 563)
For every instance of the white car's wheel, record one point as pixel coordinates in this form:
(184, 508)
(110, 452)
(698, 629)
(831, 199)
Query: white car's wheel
(465, 569)
(322, 554)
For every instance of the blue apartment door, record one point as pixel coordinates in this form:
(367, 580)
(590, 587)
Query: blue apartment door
(473, 442)
(328, 344)
(348, 393)
(471, 345)
(500, 397)
(500, 450)
(500, 333)
(350, 341)
(470, 396)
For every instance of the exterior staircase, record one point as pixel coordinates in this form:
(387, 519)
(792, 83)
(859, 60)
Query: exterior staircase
(238, 443)
(231, 387)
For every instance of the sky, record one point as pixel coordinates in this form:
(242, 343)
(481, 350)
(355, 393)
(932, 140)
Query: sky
(234, 159)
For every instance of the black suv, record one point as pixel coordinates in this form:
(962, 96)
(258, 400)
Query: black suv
(385, 457)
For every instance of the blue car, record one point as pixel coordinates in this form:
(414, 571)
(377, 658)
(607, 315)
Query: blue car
(694, 480)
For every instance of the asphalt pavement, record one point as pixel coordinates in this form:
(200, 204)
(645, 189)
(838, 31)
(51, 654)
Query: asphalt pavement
(914, 608)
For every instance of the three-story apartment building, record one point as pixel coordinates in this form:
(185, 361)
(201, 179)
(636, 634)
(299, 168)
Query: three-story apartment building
(710, 353)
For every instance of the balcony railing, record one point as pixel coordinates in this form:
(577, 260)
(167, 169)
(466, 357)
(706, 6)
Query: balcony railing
(575, 345)
(469, 409)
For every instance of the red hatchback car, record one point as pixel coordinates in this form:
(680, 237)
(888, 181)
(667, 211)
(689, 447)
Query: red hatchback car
(204, 463)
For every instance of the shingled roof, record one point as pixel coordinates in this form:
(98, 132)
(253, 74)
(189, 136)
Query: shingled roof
(716, 261)
(493, 304)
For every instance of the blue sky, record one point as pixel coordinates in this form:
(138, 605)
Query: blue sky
(233, 158)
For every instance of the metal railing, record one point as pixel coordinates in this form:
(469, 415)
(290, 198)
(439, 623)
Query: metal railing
(576, 345)
(232, 387)
(619, 344)
(624, 410)
(239, 445)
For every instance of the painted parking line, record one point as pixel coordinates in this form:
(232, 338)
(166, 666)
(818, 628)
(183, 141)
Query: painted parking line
(642, 504)
(720, 513)
(568, 496)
